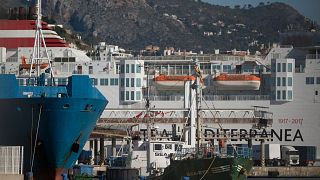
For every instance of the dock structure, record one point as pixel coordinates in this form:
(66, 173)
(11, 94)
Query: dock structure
(285, 172)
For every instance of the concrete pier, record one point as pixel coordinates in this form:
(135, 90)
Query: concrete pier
(286, 171)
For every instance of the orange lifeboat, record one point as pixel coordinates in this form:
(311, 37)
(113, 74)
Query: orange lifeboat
(24, 64)
(164, 82)
(237, 82)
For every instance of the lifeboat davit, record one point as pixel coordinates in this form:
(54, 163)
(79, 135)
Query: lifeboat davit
(24, 64)
(237, 82)
(164, 82)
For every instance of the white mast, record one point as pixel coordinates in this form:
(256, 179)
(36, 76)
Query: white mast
(38, 41)
(198, 104)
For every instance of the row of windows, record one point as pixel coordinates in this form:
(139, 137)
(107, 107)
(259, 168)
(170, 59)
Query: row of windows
(284, 81)
(282, 95)
(282, 67)
(105, 82)
(130, 82)
(31, 82)
(135, 68)
(130, 95)
(187, 69)
(311, 80)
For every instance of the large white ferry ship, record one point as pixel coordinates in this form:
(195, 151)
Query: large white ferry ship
(286, 82)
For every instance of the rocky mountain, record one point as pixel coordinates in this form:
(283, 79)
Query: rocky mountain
(182, 24)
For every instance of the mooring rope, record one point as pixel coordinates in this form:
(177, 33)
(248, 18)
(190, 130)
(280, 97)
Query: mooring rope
(35, 141)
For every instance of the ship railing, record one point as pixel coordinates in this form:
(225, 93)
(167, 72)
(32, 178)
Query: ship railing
(313, 56)
(11, 159)
(236, 97)
(12, 59)
(201, 58)
(33, 82)
(286, 46)
(166, 98)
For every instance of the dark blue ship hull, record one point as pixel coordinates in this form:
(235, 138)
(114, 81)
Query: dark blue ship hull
(54, 121)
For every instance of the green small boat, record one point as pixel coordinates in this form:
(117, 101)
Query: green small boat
(214, 168)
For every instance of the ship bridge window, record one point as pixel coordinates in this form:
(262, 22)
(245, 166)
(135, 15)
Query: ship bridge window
(90, 69)
(284, 80)
(309, 80)
(132, 95)
(127, 95)
(127, 68)
(104, 82)
(138, 82)
(226, 68)
(284, 66)
(157, 146)
(127, 82)
(278, 67)
(79, 70)
(273, 66)
(289, 81)
(216, 67)
(122, 68)
(138, 68)
(138, 95)
(117, 68)
(114, 82)
(289, 67)
(94, 81)
(290, 95)
(284, 95)
(122, 96)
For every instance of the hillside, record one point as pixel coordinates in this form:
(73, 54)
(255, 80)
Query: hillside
(186, 24)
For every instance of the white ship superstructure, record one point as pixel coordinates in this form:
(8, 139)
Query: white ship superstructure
(289, 88)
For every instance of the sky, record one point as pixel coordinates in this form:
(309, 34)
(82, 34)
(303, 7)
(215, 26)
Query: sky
(308, 8)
